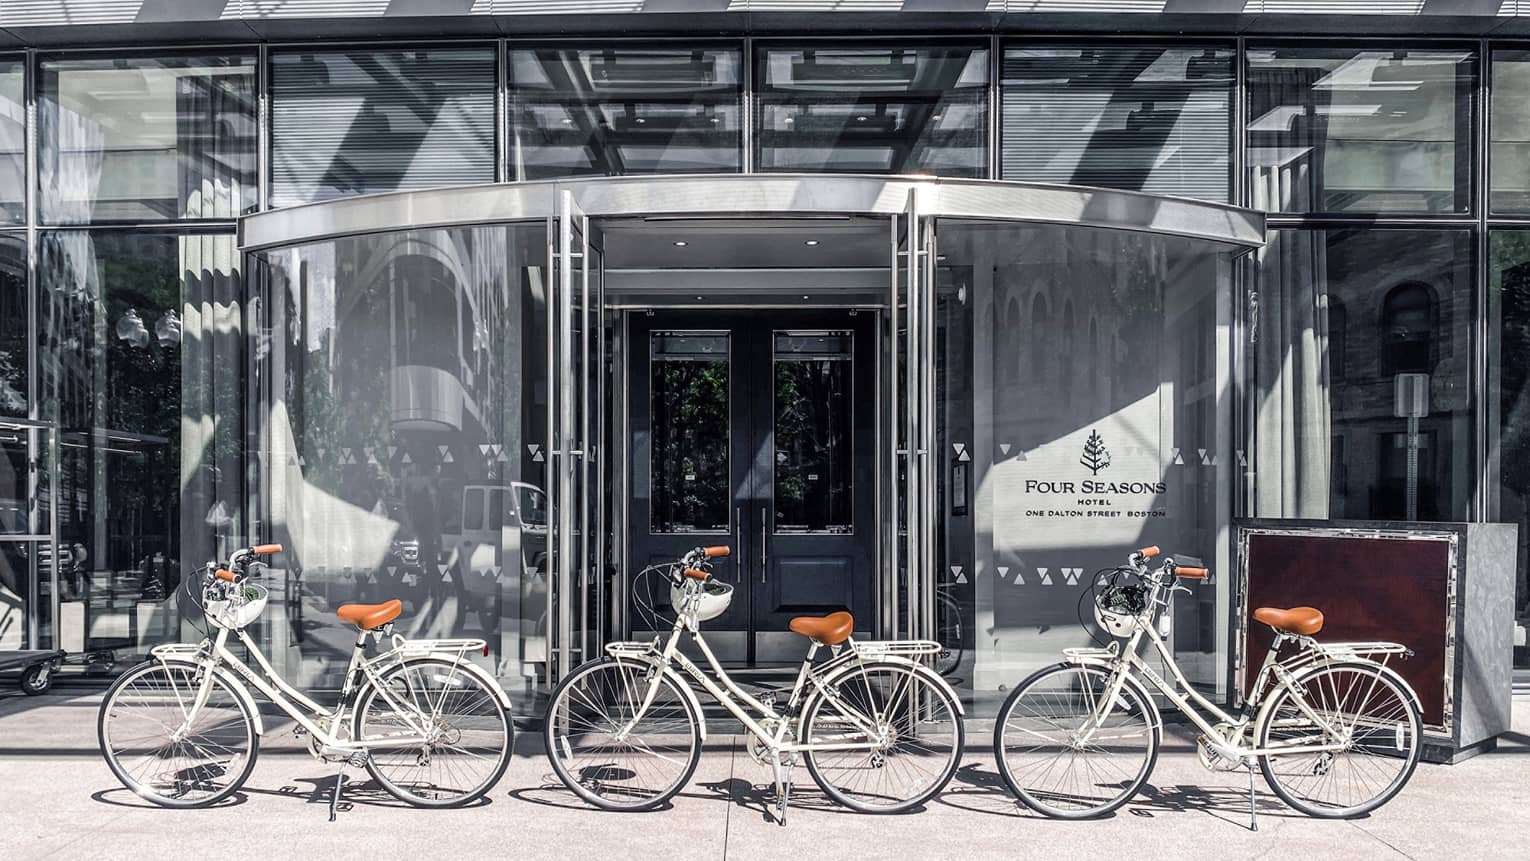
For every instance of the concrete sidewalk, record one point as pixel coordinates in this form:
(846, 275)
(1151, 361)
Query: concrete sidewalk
(60, 801)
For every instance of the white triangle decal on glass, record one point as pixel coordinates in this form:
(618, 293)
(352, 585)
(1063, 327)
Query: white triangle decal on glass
(1046, 578)
(1004, 448)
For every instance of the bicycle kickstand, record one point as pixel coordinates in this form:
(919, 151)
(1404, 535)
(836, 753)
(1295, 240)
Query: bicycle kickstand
(357, 759)
(1253, 822)
(783, 787)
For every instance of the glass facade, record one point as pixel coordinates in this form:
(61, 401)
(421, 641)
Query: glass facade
(621, 109)
(13, 141)
(864, 109)
(137, 139)
(400, 383)
(1154, 119)
(1360, 130)
(366, 120)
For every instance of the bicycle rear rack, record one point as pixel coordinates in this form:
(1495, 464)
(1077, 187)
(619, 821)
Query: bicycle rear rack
(873, 649)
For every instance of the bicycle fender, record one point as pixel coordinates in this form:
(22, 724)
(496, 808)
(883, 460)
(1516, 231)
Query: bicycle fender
(478, 672)
(919, 670)
(680, 683)
(234, 683)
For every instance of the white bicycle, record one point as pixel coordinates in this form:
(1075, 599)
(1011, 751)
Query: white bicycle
(182, 729)
(879, 731)
(1336, 732)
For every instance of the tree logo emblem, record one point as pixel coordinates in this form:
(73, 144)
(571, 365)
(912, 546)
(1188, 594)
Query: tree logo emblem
(1096, 455)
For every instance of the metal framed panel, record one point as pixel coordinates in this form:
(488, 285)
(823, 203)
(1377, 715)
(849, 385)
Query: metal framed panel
(756, 195)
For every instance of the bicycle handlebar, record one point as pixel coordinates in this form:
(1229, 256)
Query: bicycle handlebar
(1191, 573)
(715, 551)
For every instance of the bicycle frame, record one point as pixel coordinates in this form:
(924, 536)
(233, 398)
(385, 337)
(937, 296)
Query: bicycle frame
(325, 726)
(740, 703)
(1273, 675)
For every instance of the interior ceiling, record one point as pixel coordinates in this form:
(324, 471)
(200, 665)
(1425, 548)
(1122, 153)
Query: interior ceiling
(840, 243)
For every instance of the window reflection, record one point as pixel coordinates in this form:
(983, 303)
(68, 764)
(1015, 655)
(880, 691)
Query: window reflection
(1345, 130)
(813, 404)
(1140, 118)
(405, 431)
(13, 325)
(147, 139)
(690, 478)
(622, 110)
(141, 359)
(368, 120)
(13, 142)
(1331, 438)
(894, 109)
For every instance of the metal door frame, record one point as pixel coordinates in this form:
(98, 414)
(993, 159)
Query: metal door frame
(42, 453)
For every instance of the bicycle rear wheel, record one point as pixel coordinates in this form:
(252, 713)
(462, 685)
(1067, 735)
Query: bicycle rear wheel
(1369, 711)
(612, 751)
(161, 756)
(888, 742)
(467, 739)
(1068, 755)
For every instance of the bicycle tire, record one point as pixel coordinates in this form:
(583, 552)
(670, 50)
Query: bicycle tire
(1407, 702)
(594, 775)
(486, 707)
(877, 761)
(125, 775)
(1154, 740)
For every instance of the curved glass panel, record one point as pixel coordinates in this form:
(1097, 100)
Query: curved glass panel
(1092, 435)
(404, 390)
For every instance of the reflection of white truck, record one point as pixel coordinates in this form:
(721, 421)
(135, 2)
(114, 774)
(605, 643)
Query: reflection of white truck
(498, 536)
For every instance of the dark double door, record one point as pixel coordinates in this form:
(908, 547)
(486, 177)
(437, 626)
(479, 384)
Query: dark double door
(756, 429)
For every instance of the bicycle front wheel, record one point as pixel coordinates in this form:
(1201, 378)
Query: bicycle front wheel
(1066, 752)
(1370, 718)
(886, 738)
(161, 751)
(436, 735)
(622, 735)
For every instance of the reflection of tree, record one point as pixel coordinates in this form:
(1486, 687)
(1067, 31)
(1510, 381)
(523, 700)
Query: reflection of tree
(690, 453)
(811, 424)
(1511, 264)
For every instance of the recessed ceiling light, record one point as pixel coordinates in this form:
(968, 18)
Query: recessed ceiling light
(699, 298)
(811, 242)
(681, 243)
(640, 120)
(805, 296)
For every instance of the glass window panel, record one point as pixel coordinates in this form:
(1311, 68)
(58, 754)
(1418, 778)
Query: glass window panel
(147, 138)
(887, 109)
(15, 480)
(618, 110)
(404, 397)
(14, 390)
(369, 120)
(1140, 118)
(813, 404)
(1509, 155)
(1509, 392)
(141, 355)
(690, 478)
(1332, 435)
(1360, 130)
(13, 141)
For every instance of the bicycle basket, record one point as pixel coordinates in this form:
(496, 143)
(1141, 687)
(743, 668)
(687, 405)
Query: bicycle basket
(1116, 608)
(714, 599)
(239, 610)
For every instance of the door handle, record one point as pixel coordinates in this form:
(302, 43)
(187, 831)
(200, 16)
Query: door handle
(738, 532)
(763, 568)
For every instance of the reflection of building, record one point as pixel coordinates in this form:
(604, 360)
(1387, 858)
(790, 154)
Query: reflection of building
(683, 315)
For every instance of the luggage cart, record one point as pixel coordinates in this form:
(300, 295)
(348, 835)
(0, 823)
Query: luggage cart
(37, 667)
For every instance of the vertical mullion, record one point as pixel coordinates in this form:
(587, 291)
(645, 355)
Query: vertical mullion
(501, 110)
(1240, 124)
(746, 75)
(31, 303)
(995, 105)
(1484, 505)
(263, 126)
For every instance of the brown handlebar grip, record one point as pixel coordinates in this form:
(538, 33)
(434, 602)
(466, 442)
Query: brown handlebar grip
(224, 574)
(1190, 573)
(697, 574)
(1149, 552)
(715, 551)
(266, 549)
